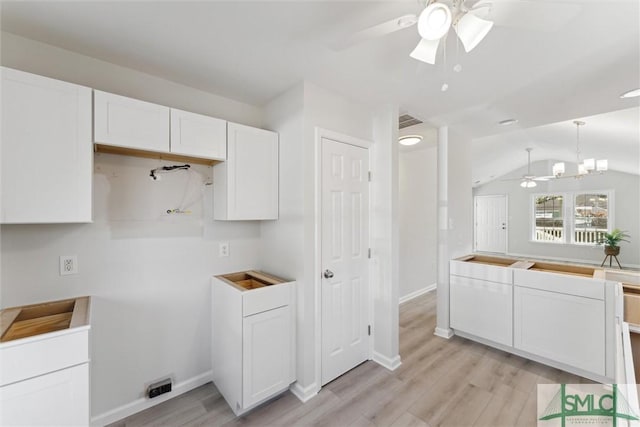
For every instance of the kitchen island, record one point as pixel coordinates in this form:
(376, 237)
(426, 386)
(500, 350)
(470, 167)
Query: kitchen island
(562, 315)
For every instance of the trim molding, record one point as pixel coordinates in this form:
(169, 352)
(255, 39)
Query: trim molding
(417, 293)
(390, 363)
(443, 333)
(304, 393)
(145, 403)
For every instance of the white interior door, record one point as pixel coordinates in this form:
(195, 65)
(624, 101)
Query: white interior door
(491, 223)
(345, 244)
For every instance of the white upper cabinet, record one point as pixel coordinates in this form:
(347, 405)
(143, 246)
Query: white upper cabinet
(246, 185)
(197, 135)
(46, 151)
(130, 123)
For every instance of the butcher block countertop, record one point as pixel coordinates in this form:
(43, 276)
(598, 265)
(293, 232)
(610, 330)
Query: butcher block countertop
(37, 319)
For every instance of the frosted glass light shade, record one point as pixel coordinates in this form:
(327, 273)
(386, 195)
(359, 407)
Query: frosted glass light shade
(528, 184)
(581, 169)
(558, 169)
(426, 51)
(434, 21)
(589, 165)
(602, 165)
(471, 30)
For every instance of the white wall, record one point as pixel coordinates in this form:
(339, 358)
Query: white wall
(289, 245)
(626, 210)
(418, 202)
(148, 273)
(46, 60)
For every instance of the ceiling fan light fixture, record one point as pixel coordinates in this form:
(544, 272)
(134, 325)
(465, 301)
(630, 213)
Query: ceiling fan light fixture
(471, 30)
(434, 21)
(528, 184)
(409, 139)
(426, 51)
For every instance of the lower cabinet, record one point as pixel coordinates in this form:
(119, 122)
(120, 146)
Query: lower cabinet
(482, 308)
(59, 398)
(565, 328)
(253, 337)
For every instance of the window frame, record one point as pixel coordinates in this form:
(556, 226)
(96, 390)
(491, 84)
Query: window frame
(568, 215)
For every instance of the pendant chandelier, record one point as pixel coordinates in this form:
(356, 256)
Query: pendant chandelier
(585, 167)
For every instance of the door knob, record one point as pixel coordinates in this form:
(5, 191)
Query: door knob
(328, 274)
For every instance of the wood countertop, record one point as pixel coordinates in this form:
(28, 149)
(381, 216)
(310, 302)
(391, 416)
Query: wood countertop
(36, 319)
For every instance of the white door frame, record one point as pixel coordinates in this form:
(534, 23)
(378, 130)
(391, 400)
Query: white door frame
(321, 133)
(506, 214)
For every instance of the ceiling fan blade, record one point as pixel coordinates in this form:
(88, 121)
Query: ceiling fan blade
(527, 14)
(543, 178)
(382, 29)
(426, 51)
(514, 179)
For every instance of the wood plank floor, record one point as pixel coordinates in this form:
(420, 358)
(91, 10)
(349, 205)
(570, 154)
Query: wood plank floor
(441, 382)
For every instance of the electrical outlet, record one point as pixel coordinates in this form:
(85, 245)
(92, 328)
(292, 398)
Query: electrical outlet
(224, 249)
(68, 264)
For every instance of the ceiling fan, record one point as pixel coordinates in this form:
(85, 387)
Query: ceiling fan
(471, 20)
(528, 180)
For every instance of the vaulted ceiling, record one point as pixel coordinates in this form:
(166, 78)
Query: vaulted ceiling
(575, 65)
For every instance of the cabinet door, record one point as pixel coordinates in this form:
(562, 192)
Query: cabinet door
(565, 328)
(126, 122)
(197, 135)
(482, 308)
(266, 355)
(60, 398)
(251, 173)
(47, 156)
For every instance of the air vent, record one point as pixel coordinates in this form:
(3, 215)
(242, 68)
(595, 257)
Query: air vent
(407, 120)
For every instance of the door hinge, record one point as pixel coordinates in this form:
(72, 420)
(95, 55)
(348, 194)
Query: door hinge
(369, 330)
(369, 253)
(369, 176)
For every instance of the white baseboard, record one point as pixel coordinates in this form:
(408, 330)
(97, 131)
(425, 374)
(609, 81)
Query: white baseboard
(417, 293)
(144, 403)
(304, 393)
(390, 363)
(443, 333)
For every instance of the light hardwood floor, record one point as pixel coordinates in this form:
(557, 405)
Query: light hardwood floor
(441, 382)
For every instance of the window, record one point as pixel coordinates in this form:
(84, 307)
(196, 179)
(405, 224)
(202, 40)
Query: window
(591, 217)
(549, 217)
(573, 217)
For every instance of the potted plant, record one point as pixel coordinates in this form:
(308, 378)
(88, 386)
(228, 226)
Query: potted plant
(612, 240)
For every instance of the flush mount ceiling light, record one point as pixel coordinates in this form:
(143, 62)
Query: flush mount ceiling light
(631, 94)
(507, 122)
(410, 139)
(434, 23)
(585, 167)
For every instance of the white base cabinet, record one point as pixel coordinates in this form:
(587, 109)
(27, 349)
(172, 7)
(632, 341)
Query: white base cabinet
(561, 315)
(566, 328)
(253, 337)
(60, 398)
(46, 151)
(482, 308)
